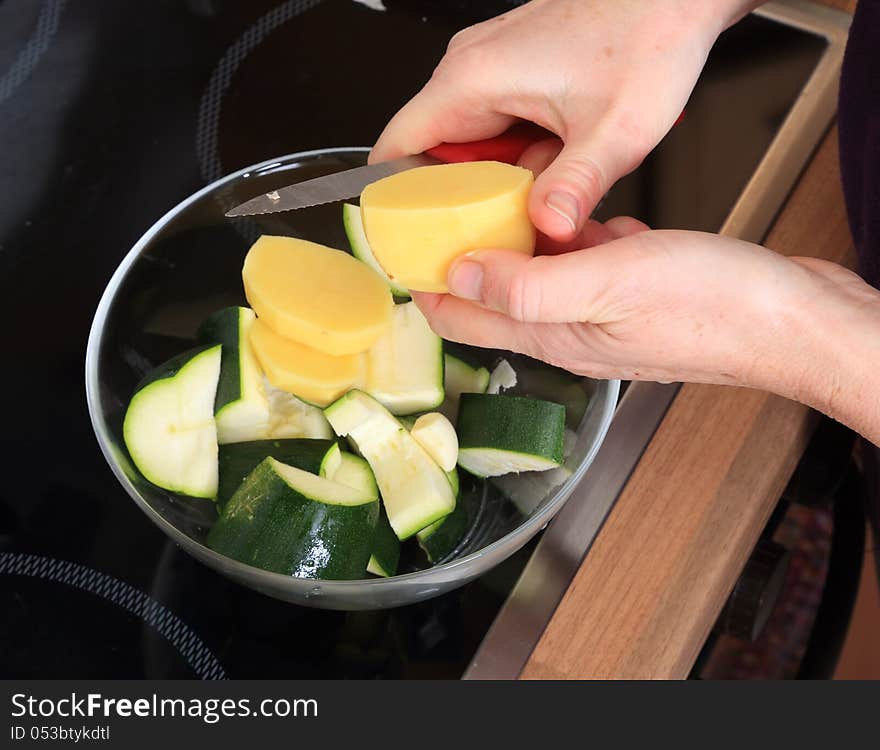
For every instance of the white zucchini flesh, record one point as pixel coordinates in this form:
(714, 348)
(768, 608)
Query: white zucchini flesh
(169, 428)
(291, 417)
(435, 434)
(360, 246)
(503, 378)
(415, 490)
(459, 377)
(248, 417)
(490, 462)
(352, 471)
(405, 366)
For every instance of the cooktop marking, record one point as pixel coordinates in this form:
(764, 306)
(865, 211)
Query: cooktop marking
(27, 59)
(170, 626)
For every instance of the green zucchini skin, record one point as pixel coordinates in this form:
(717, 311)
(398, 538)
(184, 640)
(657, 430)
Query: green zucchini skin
(385, 548)
(269, 524)
(155, 408)
(171, 367)
(514, 424)
(360, 247)
(355, 472)
(445, 537)
(440, 538)
(224, 327)
(538, 380)
(237, 460)
(415, 490)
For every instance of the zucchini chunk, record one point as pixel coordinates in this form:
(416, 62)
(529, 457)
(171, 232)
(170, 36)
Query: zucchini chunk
(385, 548)
(460, 377)
(360, 248)
(440, 538)
(169, 427)
(435, 434)
(503, 378)
(415, 490)
(405, 366)
(237, 460)
(500, 434)
(289, 521)
(241, 408)
(291, 417)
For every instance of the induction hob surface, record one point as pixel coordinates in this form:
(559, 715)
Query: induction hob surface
(110, 113)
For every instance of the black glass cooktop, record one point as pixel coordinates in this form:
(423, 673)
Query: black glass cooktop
(110, 113)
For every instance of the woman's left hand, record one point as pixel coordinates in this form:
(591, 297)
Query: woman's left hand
(669, 306)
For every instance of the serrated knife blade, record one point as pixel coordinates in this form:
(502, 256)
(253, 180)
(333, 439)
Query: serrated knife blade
(329, 188)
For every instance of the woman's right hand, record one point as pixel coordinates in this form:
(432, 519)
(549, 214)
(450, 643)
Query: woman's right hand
(608, 77)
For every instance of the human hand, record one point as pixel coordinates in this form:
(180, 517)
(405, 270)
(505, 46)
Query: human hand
(608, 78)
(674, 306)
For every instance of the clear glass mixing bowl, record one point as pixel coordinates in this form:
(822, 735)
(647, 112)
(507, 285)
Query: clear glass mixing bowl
(188, 265)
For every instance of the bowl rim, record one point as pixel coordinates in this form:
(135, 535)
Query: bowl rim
(521, 533)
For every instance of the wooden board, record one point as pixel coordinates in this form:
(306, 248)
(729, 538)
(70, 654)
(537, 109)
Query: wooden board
(648, 593)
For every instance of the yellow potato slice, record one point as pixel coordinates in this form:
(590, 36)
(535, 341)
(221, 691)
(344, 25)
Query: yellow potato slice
(321, 297)
(418, 221)
(313, 376)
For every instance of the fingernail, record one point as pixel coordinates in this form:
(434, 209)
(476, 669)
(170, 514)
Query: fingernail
(466, 280)
(565, 205)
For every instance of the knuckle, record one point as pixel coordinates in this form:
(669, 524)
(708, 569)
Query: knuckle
(587, 175)
(458, 39)
(523, 296)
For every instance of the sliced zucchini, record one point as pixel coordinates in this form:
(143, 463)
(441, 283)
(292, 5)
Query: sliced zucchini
(237, 460)
(555, 384)
(462, 378)
(503, 378)
(499, 434)
(291, 417)
(442, 537)
(405, 366)
(452, 474)
(241, 408)
(352, 471)
(385, 548)
(435, 434)
(415, 490)
(293, 522)
(360, 248)
(169, 427)
(455, 483)
(459, 377)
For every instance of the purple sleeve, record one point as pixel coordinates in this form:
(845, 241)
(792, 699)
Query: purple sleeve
(859, 128)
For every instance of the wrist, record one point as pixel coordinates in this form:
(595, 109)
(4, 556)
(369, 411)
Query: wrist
(717, 15)
(829, 357)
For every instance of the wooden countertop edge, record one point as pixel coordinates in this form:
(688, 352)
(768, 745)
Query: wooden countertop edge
(648, 593)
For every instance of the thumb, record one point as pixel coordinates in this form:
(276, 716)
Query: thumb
(543, 289)
(566, 192)
(567, 288)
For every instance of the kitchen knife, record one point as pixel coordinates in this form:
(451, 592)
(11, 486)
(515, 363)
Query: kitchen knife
(507, 147)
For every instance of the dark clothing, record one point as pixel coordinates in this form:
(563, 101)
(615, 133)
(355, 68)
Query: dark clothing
(859, 123)
(859, 128)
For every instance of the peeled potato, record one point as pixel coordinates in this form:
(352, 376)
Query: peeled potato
(313, 376)
(418, 221)
(320, 297)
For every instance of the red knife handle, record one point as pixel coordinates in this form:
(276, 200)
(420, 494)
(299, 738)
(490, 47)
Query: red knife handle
(507, 147)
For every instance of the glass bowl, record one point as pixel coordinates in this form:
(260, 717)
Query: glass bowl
(188, 265)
